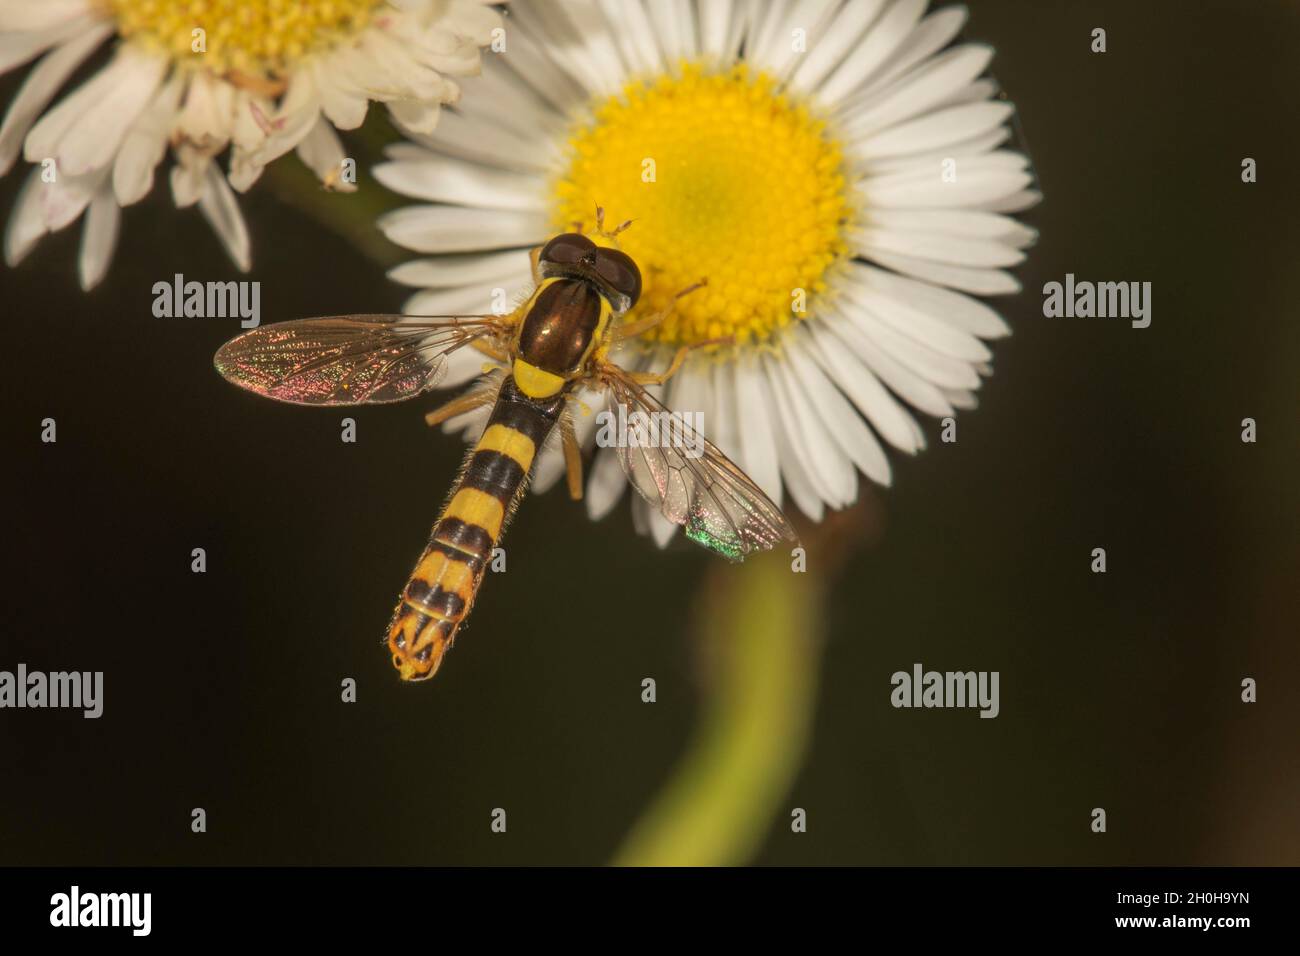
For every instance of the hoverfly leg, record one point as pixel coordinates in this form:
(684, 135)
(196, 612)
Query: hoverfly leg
(498, 355)
(471, 400)
(603, 232)
(659, 378)
(572, 456)
(633, 329)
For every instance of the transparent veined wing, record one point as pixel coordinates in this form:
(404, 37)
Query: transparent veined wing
(687, 478)
(351, 359)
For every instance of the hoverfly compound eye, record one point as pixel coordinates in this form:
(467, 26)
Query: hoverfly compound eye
(620, 272)
(567, 249)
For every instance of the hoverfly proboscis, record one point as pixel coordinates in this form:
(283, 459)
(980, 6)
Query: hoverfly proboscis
(555, 342)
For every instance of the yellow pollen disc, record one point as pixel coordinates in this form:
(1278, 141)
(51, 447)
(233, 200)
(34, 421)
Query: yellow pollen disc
(260, 39)
(727, 180)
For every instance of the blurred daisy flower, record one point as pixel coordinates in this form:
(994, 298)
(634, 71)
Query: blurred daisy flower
(255, 77)
(833, 169)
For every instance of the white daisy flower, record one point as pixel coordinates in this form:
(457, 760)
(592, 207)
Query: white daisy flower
(842, 153)
(257, 77)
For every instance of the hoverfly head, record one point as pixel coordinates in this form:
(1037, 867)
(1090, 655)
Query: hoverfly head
(610, 270)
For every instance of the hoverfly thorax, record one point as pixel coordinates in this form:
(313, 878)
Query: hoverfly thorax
(583, 287)
(556, 334)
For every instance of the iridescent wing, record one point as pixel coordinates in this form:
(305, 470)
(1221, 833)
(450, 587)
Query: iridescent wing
(687, 478)
(352, 359)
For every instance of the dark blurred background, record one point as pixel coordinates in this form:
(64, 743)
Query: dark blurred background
(1119, 690)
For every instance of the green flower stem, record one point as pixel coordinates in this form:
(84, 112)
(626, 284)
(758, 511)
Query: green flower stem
(760, 629)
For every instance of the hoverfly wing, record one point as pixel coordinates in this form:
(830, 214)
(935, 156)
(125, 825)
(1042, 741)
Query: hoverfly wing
(689, 480)
(351, 359)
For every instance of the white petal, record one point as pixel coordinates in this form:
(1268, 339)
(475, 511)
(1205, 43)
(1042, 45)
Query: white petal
(843, 425)
(674, 23)
(298, 113)
(840, 35)
(41, 86)
(93, 142)
(757, 431)
(721, 425)
(884, 37)
(18, 44)
(345, 108)
(819, 457)
(931, 35)
(250, 121)
(65, 199)
(470, 424)
(219, 208)
(985, 89)
(466, 300)
(962, 399)
(953, 307)
(937, 247)
(582, 52)
(970, 223)
(899, 313)
(24, 16)
(464, 365)
(937, 369)
(145, 144)
(417, 117)
(322, 152)
(508, 100)
(660, 528)
(26, 224)
(469, 18)
(979, 180)
(461, 229)
(98, 237)
(935, 130)
(82, 133)
(605, 487)
(978, 281)
(744, 19)
(716, 21)
(188, 175)
(473, 268)
(531, 61)
(469, 137)
(914, 93)
(774, 50)
(946, 159)
(889, 418)
(632, 30)
(790, 454)
(901, 380)
(1016, 202)
(443, 179)
(693, 396)
(549, 468)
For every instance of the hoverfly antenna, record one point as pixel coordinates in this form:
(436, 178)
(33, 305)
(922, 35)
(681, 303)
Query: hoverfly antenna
(607, 234)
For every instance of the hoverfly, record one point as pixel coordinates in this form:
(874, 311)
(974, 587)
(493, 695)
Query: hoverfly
(555, 342)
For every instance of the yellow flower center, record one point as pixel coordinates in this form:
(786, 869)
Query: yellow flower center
(727, 180)
(258, 39)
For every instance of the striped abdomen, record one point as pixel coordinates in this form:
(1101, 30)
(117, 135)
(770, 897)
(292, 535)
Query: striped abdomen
(438, 596)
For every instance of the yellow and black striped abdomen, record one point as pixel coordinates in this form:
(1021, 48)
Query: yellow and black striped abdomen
(441, 590)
